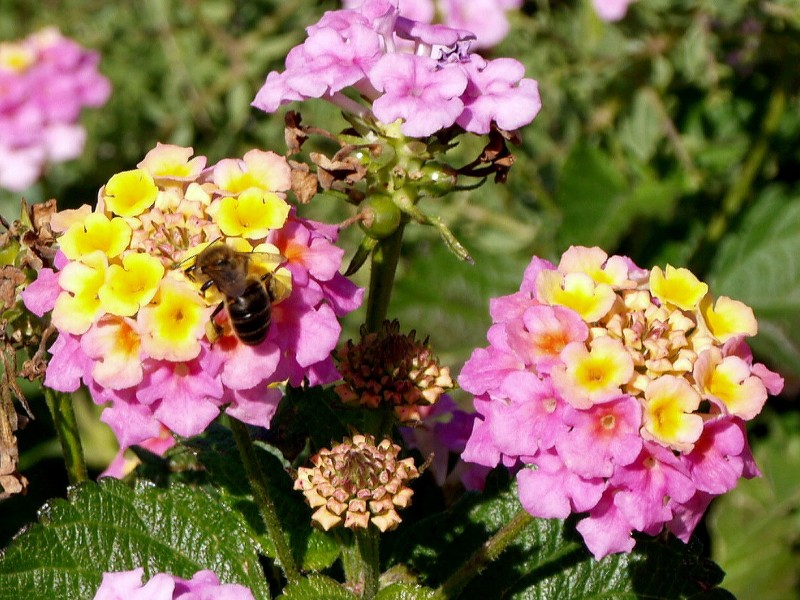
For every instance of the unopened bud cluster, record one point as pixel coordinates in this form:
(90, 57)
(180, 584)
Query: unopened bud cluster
(357, 483)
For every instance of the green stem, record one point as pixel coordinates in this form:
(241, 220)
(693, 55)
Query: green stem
(487, 553)
(385, 257)
(261, 493)
(361, 562)
(66, 425)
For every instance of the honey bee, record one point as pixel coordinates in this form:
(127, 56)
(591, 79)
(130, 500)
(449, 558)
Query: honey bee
(248, 296)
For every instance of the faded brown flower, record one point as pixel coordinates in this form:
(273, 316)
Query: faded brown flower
(391, 368)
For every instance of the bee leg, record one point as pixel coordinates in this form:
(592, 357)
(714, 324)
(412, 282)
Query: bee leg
(213, 329)
(220, 306)
(207, 285)
(269, 283)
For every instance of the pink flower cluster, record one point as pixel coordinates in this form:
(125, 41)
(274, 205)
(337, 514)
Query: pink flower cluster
(136, 327)
(420, 74)
(45, 81)
(204, 585)
(611, 10)
(485, 18)
(617, 392)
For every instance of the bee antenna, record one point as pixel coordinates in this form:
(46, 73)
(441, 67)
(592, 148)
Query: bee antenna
(194, 256)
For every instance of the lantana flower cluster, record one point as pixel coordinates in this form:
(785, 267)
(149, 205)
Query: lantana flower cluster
(485, 18)
(45, 81)
(618, 392)
(611, 10)
(358, 482)
(422, 75)
(203, 585)
(136, 327)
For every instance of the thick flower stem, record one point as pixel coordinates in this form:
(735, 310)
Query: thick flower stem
(385, 257)
(487, 553)
(261, 493)
(66, 426)
(361, 562)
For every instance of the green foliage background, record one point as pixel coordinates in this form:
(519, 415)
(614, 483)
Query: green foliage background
(673, 136)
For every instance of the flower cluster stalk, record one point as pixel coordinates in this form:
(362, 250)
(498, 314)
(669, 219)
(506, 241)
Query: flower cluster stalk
(63, 414)
(384, 265)
(261, 493)
(486, 554)
(361, 562)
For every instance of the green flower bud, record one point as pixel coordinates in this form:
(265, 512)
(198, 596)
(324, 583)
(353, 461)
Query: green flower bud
(436, 179)
(381, 216)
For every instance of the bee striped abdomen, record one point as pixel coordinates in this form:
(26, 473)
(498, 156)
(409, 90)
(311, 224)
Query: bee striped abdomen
(250, 313)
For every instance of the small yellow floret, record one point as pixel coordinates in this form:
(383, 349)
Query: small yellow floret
(172, 162)
(253, 214)
(15, 57)
(678, 287)
(129, 287)
(595, 263)
(95, 232)
(266, 171)
(130, 193)
(78, 305)
(594, 375)
(577, 291)
(728, 318)
(172, 327)
(742, 393)
(668, 413)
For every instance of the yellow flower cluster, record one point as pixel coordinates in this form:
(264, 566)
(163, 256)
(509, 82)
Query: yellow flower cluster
(126, 260)
(659, 336)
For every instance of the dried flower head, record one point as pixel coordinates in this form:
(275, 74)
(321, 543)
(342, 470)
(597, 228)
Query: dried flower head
(392, 368)
(25, 247)
(357, 482)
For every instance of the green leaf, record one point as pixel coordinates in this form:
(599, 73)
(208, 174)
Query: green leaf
(548, 559)
(597, 203)
(316, 587)
(405, 591)
(110, 527)
(755, 528)
(448, 299)
(759, 264)
(216, 451)
(641, 130)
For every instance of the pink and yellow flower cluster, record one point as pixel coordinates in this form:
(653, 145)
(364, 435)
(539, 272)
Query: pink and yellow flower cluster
(165, 586)
(617, 392)
(45, 81)
(137, 329)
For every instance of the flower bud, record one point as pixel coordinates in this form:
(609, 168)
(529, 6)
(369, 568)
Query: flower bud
(381, 216)
(357, 483)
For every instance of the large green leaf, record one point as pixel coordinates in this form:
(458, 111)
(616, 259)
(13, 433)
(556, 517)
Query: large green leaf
(755, 528)
(216, 452)
(599, 205)
(316, 587)
(548, 559)
(440, 296)
(759, 264)
(110, 527)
